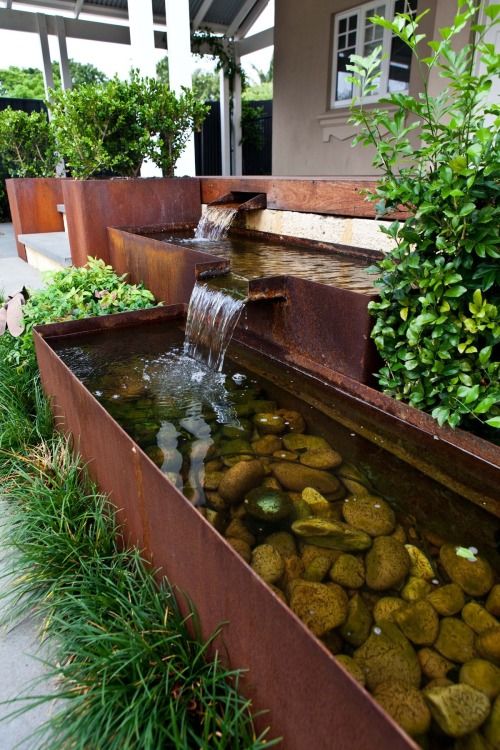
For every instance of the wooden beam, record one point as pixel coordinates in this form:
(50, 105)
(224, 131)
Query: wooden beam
(204, 8)
(251, 18)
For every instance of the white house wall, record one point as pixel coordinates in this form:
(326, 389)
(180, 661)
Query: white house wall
(308, 137)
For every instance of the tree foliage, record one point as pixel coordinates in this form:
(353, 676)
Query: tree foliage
(438, 319)
(27, 83)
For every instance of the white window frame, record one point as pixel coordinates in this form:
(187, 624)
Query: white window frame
(361, 11)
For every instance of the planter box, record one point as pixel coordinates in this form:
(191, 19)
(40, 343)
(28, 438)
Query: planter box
(33, 206)
(312, 701)
(93, 205)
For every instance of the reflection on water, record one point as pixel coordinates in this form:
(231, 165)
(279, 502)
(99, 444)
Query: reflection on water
(255, 259)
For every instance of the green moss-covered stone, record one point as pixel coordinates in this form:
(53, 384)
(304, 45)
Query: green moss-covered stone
(267, 504)
(386, 607)
(352, 667)
(420, 565)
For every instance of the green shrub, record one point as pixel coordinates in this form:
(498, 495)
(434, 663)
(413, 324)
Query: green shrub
(438, 319)
(27, 145)
(71, 294)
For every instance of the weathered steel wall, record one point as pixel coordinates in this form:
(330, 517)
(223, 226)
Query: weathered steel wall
(33, 206)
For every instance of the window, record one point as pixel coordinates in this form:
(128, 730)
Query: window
(355, 35)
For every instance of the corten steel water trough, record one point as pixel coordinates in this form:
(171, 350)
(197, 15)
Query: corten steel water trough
(301, 317)
(312, 701)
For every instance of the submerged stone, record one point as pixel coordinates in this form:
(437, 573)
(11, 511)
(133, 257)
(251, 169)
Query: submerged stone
(240, 479)
(349, 571)
(370, 514)
(352, 667)
(493, 601)
(415, 589)
(455, 640)
(267, 504)
(241, 547)
(293, 420)
(406, 705)
(283, 542)
(322, 532)
(447, 600)
(434, 665)
(296, 477)
(488, 644)
(317, 569)
(356, 628)
(386, 607)
(299, 442)
(267, 563)
(478, 618)
(419, 622)
(420, 565)
(269, 424)
(386, 656)
(266, 445)
(387, 563)
(321, 458)
(472, 573)
(482, 675)
(320, 607)
(457, 709)
(491, 728)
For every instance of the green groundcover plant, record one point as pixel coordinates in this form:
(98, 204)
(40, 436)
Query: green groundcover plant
(437, 323)
(129, 670)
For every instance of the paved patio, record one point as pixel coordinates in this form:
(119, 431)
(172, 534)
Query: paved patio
(20, 651)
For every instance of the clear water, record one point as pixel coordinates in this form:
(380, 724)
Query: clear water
(252, 259)
(212, 316)
(195, 424)
(215, 222)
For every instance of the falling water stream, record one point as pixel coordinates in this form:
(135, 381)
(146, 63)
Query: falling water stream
(215, 222)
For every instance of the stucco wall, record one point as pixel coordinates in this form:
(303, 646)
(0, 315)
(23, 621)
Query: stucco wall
(301, 115)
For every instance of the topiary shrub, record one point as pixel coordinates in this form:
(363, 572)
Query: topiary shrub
(437, 324)
(27, 144)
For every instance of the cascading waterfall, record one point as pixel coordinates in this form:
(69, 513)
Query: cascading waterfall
(215, 222)
(211, 319)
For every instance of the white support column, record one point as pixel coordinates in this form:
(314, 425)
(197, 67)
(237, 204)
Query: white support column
(142, 38)
(180, 67)
(236, 151)
(66, 81)
(44, 45)
(225, 128)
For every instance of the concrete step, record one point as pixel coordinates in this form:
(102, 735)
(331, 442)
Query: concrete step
(47, 251)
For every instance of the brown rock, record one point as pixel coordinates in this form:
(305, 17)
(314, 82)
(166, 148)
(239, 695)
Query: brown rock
(320, 607)
(352, 667)
(317, 569)
(296, 442)
(455, 640)
(386, 607)
(474, 577)
(267, 445)
(419, 622)
(406, 705)
(493, 601)
(296, 477)
(433, 665)
(488, 644)
(322, 458)
(294, 569)
(421, 566)
(491, 728)
(241, 547)
(447, 600)
(238, 530)
(356, 628)
(415, 589)
(387, 563)
(457, 709)
(370, 514)
(387, 655)
(283, 542)
(330, 534)
(294, 421)
(482, 675)
(478, 618)
(348, 571)
(240, 479)
(267, 563)
(310, 552)
(268, 423)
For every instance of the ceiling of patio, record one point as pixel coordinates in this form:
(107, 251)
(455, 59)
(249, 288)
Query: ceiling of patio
(233, 17)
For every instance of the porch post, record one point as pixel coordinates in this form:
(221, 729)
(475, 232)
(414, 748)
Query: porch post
(225, 125)
(180, 67)
(66, 81)
(142, 38)
(236, 151)
(48, 78)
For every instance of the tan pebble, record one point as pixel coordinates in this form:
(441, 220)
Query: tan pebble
(421, 566)
(267, 563)
(317, 569)
(387, 655)
(238, 530)
(415, 589)
(325, 458)
(272, 483)
(406, 705)
(296, 477)
(241, 547)
(455, 640)
(482, 675)
(309, 552)
(493, 601)
(478, 618)
(267, 445)
(215, 465)
(240, 479)
(387, 563)
(433, 665)
(269, 424)
(350, 665)
(348, 571)
(315, 501)
(357, 626)
(474, 577)
(299, 442)
(386, 607)
(283, 542)
(370, 514)
(419, 622)
(457, 709)
(488, 644)
(320, 607)
(491, 729)
(212, 479)
(447, 600)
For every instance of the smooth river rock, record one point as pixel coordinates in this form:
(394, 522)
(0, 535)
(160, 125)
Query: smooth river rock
(370, 514)
(267, 563)
(387, 563)
(321, 607)
(322, 532)
(297, 477)
(475, 577)
(447, 600)
(482, 675)
(455, 640)
(267, 504)
(240, 479)
(321, 458)
(406, 705)
(419, 622)
(457, 709)
(387, 655)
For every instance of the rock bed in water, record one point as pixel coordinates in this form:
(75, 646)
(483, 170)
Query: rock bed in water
(413, 617)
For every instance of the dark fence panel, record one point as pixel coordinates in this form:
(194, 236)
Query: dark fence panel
(26, 105)
(257, 141)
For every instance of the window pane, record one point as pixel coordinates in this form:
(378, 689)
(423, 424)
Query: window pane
(343, 88)
(343, 26)
(400, 59)
(353, 23)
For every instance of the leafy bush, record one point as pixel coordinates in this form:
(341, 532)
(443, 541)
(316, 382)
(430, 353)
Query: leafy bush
(71, 294)
(438, 320)
(109, 129)
(27, 145)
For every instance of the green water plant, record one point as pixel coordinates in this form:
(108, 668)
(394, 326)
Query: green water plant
(437, 323)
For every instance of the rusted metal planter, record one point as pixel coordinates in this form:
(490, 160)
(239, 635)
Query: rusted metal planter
(302, 318)
(93, 205)
(33, 206)
(312, 702)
